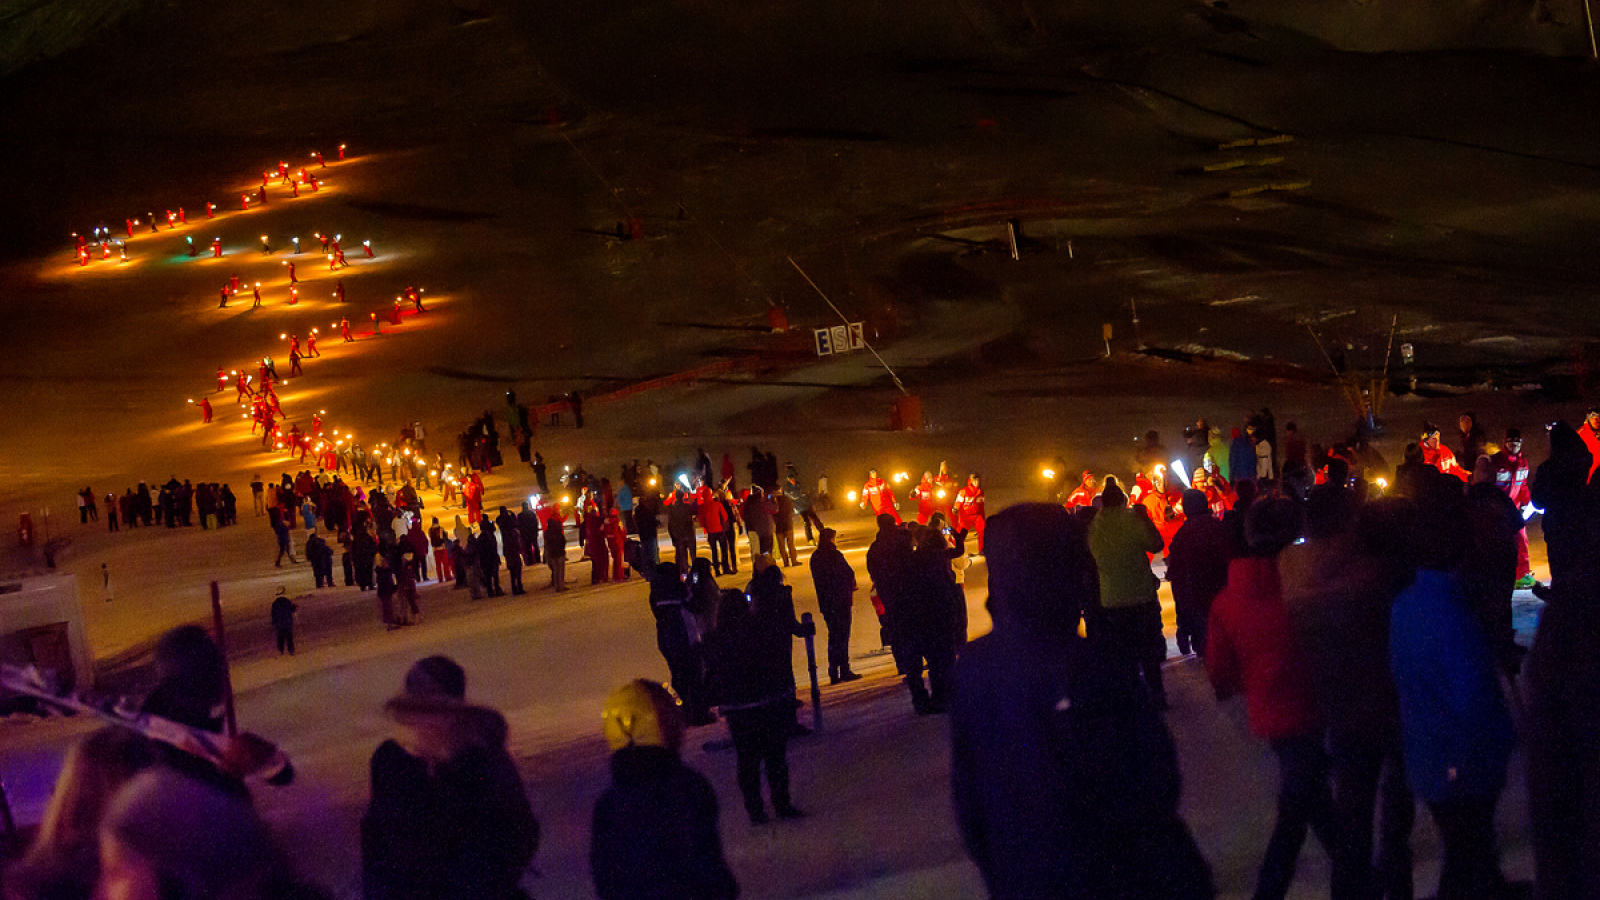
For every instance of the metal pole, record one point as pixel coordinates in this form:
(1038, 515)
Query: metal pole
(1588, 16)
(227, 676)
(811, 665)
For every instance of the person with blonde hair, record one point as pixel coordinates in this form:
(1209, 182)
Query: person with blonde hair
(63, 860)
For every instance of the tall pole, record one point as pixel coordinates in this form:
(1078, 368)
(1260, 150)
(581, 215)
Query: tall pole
(1588, 16)
(227, 676)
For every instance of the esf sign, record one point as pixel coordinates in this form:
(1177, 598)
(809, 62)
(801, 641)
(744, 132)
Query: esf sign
(841, 338)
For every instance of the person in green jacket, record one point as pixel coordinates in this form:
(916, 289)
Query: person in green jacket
(1129, 618)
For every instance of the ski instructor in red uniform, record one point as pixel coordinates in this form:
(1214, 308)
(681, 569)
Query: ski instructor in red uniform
(968, 509)
(877, 495)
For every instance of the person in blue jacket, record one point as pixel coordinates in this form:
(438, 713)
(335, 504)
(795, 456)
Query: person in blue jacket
(1455, 727)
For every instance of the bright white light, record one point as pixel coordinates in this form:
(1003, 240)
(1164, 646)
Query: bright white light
(1181, 472)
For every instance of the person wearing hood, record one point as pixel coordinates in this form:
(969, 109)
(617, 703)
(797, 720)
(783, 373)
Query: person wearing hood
(1561, 489)
(678, 638)
(1197, 566)
(1065, 781)
(488, 546)
(654, 833)
(449, 817)
(511, 544)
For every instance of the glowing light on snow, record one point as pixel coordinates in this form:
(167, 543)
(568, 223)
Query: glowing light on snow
(1049, 474)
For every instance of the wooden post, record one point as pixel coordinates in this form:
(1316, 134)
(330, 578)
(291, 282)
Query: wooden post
(811, 665)
(227, 676)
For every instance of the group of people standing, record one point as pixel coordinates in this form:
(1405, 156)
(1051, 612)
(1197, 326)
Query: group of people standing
(176, 504)
(1369, 630)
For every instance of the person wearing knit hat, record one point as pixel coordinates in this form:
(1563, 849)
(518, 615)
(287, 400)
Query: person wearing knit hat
(449, 815)
(655, 831)
(167, 836)
(1197, 566)
(1128, 619)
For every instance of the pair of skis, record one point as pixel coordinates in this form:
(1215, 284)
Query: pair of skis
(247, 756)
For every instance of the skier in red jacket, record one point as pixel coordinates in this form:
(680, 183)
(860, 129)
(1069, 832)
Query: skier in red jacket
(968, 509)
(877, 495)
(1436, 454)
(927, 503)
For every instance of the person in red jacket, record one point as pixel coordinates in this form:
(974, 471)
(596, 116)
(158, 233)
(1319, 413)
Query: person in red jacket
(1511, 477)
(472, 497)
(1590, 432)
(615, 538)
(923, 493)
(205, 410)
(878, 496)
(1251, 648)
(713, 518)
(1085, 492)
(945, 488)
(1436, 454)
(968, 509)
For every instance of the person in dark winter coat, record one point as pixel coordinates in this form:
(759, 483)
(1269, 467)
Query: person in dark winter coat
(1338, 586)
(1490, 525)
(772, 601)
(489, 558)
(555, 550)
(669, 598)
(1197, 566)
(1252, 650)
(511, 539)
(753, 685)
(283, 610)
(835, 582)
(363, 553)
(528, 526)
(1065, 779)
(655, 833)
(1561, 489)
(321, 559)
(926, 622)
(1563, 736)
(889, 566)
(449, 818)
